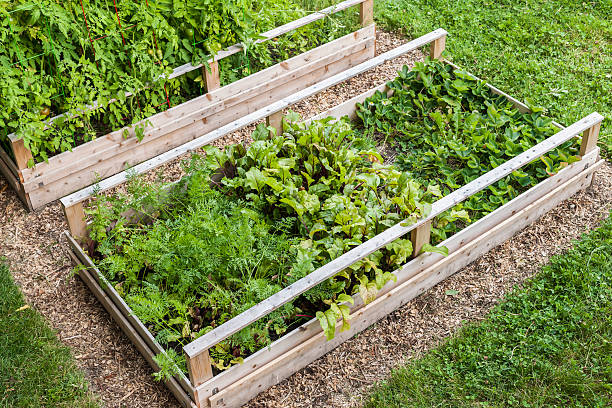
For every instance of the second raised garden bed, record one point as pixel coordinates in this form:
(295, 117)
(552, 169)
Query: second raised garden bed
(110, 154)
(303, 345)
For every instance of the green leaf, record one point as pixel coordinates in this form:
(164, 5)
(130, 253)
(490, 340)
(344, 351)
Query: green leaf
(437, 249)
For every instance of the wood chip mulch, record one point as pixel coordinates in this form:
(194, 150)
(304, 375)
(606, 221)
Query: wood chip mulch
(37, 252)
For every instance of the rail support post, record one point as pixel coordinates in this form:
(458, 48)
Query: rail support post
(275, 120)
(212, 78)
(437, 47)
(366, 13)
(589, 142)
(200, 371)
(419, 237)
(75, 217)
(22, 155)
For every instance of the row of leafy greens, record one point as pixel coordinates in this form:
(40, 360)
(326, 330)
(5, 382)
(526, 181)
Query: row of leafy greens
(248, 221)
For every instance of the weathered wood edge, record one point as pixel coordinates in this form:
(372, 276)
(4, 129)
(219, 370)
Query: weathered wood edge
(236, 48)
(134, 329)
(290, 362)
(260, 114)
(408, 270)
(11, 174)
(332, 268)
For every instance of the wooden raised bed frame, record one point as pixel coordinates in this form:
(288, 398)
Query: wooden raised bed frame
(298, 348)
(110, 154)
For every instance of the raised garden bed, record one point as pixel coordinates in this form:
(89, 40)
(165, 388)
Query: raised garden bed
(112, 153)
(301, 346)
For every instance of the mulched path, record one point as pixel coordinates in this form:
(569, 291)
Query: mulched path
(37, 252)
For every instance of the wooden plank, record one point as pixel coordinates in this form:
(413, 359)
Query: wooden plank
(589, 139)
(366, 13)
(212, 78)
(437, 47)
(128, 329)
(10, 164)
(200, 369)
(419, 237)
(285, 365)
(41, 194)
(252, 117)
(122, 307)
(22, 155)
(275, 120)
(75, 217)
(334, 267)
(195, 111)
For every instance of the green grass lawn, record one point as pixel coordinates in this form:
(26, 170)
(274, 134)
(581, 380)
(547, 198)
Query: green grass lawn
(35, 369)
(547, 345)
(557, 53)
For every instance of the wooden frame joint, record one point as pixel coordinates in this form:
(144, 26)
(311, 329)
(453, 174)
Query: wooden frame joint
(366, 13)
(589, 139)
(275, 120)
(21, 153)
(75, 217)
(419, 237)
(437, 47)
(211, 77)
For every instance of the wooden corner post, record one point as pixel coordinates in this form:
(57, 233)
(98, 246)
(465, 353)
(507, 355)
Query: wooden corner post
(212, 78)
(75, 217)
(419, 237)
(437, 47)
(276, 121)
(366, 13)
(589, 139)
(200, 371)
(22, 155)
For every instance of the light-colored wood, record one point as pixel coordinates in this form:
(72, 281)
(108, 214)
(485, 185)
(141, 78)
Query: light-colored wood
(437, 47)
(419, 237)
(589, 139)
(211, 76)
(366, 13)
(103, 288)
(285, 365)
(75, 217)
(95, 156)
(22, 155)
(275, 121)
(181, 395)
(200, 369)
(258, 115)
(342, 262)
